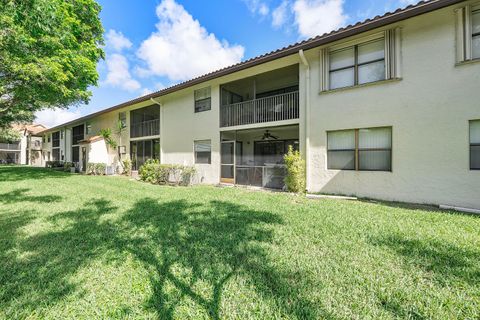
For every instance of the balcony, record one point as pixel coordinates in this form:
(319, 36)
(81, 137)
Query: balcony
(10, 146)
(145, 129)
(274, 108)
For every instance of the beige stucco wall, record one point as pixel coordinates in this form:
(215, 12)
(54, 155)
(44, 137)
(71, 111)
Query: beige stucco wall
(429, 110)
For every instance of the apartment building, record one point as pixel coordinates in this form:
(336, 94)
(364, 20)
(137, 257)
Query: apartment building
(27, 150)
(388, 108)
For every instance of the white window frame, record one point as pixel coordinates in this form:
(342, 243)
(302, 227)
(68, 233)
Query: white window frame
(209, 90)
(124, 124)
(195, 151)
(87, 131)
(472, 144)
(464, 35)
(358, 149)
(392, 38)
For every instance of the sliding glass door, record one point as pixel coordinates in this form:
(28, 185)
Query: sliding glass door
(141, 151)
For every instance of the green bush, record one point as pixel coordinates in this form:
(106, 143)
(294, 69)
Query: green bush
(154, 172)
(295, 179)
(127, 167)
(90, 168)
(67, 166)
(100, 169)
(54, 164)
(97, 169)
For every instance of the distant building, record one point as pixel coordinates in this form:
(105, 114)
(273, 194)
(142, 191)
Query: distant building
(28, 150)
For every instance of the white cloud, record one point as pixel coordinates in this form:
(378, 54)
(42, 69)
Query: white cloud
(181, 48)
(117, 41)
(316, 17)
(257, 6)
(280, 14)
(408, 2)
(55, 117)
(146, 91)
(119, 74)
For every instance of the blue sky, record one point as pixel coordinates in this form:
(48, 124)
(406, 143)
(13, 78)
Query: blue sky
(152, 44)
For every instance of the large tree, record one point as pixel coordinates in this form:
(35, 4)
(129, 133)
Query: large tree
(49, 51)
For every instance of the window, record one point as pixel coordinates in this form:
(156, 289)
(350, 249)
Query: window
(44, 139)
(203, 99)
(364, 61)
(468, 33)
(359, 64)
(75, 154)
(88, 128)
(56, 139)
(475, 145)
(122, 118)
(360, 149)
(56, 154)
(341, 150)
(476, 34)
(49, 138)
(203, 151)
(77, 134)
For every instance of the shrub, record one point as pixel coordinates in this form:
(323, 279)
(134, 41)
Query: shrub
(154, 172)
(127, 167)
(100, 169)
(90, 168)
(67, 166)
(295, 179)
(54, 164)
(97, 169)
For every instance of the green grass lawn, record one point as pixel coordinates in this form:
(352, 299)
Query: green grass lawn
(75, 246)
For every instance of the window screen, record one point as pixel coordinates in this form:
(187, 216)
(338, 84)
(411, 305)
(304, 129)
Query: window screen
(475, 145)
(341, 150)
(360, 149)
(203, 99)
(359, 64)
(375, 149)
(203, 151)
(476, 34)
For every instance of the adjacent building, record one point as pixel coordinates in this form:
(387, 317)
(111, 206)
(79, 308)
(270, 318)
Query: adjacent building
(388, 108)
(27, 150)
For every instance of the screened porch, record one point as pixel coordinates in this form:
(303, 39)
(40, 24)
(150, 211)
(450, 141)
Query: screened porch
(255, 157)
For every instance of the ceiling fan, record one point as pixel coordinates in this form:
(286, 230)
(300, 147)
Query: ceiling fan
(268, 136)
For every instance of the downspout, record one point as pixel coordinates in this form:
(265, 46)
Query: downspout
(307, 116)
(161, 127)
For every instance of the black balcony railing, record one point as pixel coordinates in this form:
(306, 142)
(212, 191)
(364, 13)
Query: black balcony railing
(145, 129)
(10, 146)
(275, 108)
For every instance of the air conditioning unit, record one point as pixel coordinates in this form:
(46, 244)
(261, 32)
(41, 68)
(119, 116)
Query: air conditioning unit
(110, 170)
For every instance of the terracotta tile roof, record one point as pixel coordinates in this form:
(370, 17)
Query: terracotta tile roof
(33, 128)
(400, 14)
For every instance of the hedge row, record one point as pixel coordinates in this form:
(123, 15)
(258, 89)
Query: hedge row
(154, 172)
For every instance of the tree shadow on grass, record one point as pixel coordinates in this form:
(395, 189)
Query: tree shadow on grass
(192, 244)
(19, 173)
(192, 250)
(446, 261)
(20, 195)
(35, 270)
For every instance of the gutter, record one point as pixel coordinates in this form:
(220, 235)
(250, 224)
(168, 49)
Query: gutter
(307, 116)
